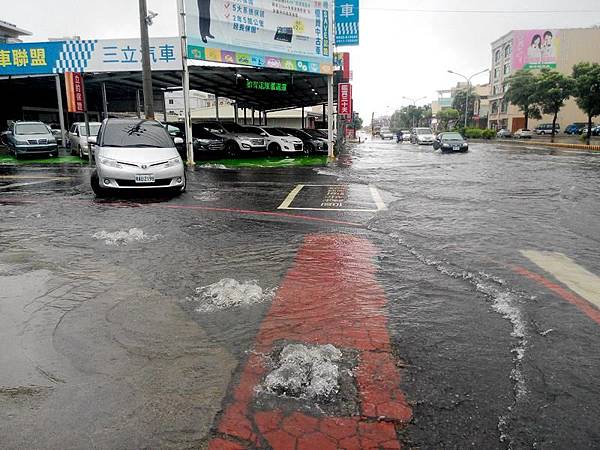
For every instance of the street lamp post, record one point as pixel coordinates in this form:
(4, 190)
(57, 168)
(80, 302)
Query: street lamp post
(468, 89)
(414, 103)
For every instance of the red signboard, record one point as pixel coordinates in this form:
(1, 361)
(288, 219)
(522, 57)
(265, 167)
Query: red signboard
(75, 95)
(345, 99)
(346, 67)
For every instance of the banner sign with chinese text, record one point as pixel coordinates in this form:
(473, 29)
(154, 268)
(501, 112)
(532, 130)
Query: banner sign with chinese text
(282, 34)
(266, 86)
(87, 56)
(75, 96)
(345, 99)
(346, 22)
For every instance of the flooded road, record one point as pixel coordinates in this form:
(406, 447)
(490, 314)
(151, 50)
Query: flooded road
(398, 296)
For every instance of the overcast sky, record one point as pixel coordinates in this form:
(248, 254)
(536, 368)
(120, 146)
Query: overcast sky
(401, 53)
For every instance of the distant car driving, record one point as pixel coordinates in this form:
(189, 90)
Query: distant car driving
(450, 142)
(405, 135)
(136, 154)
(386, 134)
(30, 138)
(422, 136)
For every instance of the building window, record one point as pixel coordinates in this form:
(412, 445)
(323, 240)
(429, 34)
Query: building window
(503, 107)
(507, 50)
(496, 73)
(507, 69)
(498, 55)
(494, 107)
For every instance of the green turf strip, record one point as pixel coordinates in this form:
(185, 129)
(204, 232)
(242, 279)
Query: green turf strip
(234, 163)
(11, 160)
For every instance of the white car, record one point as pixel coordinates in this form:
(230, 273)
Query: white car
(278, 142)
(386, 134)
(422, 136)
(78, 138)
(523, 133)
(136, 154)
(405, 136)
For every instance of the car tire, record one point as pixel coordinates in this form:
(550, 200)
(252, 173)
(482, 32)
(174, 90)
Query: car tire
(73, 150)
(232, 149)
(183, 188)
(81, 155)
(309, 149)
(274, 149)
(95, 183)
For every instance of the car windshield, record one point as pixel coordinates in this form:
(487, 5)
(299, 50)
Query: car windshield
(31, 128)
(94, 128)
(203, 133)
(423, 131)
(234, 128)
(139, 133)
(452, 137)
(275, 132)
(251, 130)
(298, 133)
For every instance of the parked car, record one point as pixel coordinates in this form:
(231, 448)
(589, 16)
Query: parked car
(206, 142)
(278, 142)
(78, 138)
(523, 133)
(546, 128)
(575, 128)
(405, 135)
(57, 133)
(595, 131)
(503, 133)
(237, 139)
(450, 142)
(422, 136)
(136, 154)
(311, 144)
(385, 133)
(31, 138)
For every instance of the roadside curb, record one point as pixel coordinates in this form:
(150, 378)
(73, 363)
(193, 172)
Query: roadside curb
(525, 142)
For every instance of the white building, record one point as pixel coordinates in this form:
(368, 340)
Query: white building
(10, 34)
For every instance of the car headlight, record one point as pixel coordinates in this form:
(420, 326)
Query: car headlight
(110, 163)
(173, 162)
(245, 145)
(21, 142)
(51, 141)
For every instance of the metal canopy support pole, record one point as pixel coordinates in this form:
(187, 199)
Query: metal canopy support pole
(266, 119)
(303, 119)
(235, 112)
(61, 113)
(245, 116)
(146, 67)
(330, 152)
(104, 101)
(138, 104)
(186, 86)
(253, 122)
(164, 102)
(324, 110)
(217, 108)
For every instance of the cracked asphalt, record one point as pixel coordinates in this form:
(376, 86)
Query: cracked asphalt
(465, 287)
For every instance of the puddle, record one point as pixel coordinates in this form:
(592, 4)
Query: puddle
(305, 372)
(213, 166)
(119, 238)
(229, 293)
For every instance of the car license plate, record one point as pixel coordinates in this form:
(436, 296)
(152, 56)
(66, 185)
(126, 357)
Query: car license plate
(456, 148)
(144, 178)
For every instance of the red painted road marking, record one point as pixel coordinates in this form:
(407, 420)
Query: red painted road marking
(330, 296)
(583, 305)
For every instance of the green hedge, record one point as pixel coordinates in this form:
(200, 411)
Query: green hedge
(478, 133)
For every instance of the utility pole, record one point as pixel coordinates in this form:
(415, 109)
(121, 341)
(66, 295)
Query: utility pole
(468, 90)
(146, 68)
(414, 103)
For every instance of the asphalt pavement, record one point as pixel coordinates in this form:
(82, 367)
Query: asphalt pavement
(457, 297)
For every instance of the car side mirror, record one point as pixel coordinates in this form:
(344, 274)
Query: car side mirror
(92, 140)
(264, 134)
(178, 141)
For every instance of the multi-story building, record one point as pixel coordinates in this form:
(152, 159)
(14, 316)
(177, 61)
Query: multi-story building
(10, 34)
(533, 50)
(480, 92)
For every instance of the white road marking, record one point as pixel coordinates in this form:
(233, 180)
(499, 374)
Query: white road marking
(294, 193)
(291, 197)
(568, 272)
(42, 180)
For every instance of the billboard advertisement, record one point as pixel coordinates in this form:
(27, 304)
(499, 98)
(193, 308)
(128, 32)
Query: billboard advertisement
(345, 99)
(346, 22)
(282, 34)
(118, 55)
(535, 49)
(75, 90)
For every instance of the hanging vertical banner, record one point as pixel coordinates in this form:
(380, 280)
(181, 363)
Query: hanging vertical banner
(75, 97)
(345, 99)
(281, 34)
(346, 22)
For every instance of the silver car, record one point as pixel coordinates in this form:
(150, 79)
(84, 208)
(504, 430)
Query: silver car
(78, 139)
(136, 154)
(30, 138)
(236, 138)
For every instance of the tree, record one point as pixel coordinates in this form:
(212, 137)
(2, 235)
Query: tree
(458, 103)
(445, 116)
(553, 89)
(521, 91)
(587, 91)
(356, 123)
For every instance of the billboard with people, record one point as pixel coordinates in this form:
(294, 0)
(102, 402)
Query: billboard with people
(535, 49)
(282, 34)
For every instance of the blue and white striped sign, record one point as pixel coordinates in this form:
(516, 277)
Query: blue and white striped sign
(346, 22)
(87, 56)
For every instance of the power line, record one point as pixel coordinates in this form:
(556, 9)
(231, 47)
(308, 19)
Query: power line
(482, 11)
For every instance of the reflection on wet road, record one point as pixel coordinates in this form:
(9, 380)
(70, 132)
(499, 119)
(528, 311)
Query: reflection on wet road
(458, 292)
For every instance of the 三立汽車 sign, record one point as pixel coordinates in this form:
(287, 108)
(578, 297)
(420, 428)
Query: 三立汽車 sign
(87, 56)
(281, 34)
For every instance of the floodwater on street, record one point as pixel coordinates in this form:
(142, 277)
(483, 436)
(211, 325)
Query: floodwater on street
(397, 296)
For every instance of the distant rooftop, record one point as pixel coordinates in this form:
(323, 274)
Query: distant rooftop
(10, 32)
